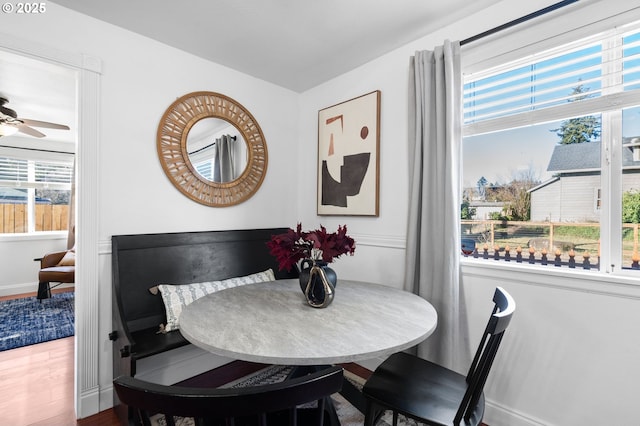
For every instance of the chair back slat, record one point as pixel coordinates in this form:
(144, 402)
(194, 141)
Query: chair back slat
(504, 307)
(220, 404)
(483, 341)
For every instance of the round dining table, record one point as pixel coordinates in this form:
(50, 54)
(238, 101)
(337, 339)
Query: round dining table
(272, 323)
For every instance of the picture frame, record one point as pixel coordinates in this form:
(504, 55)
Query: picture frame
(349, 157)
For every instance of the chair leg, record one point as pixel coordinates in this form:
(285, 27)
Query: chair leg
(330, 411)
(372, 413)
(44, 291)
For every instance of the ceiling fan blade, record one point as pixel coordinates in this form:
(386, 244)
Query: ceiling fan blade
(46, 124)
(30, 131)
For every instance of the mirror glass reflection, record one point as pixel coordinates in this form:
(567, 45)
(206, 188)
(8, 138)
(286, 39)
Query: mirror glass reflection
(217, 150)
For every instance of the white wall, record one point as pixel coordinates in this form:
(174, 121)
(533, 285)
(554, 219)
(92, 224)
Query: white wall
(384, 235)
(570, 356)
(19, 270)
(140, 79)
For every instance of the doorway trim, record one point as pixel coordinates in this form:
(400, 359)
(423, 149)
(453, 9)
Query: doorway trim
(87, 343)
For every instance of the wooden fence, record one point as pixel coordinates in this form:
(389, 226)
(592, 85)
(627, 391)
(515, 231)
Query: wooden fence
(49, 217)
(572, 245)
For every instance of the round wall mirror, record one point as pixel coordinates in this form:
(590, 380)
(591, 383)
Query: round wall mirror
(212, 149)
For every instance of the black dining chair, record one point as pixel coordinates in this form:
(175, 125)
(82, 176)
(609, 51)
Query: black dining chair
(430, 393)
(271, 404)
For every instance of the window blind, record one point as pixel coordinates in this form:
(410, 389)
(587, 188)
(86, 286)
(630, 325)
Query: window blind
(13, 170)
(600, 66)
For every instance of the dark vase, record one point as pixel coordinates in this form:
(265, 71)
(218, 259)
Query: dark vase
(317, 282)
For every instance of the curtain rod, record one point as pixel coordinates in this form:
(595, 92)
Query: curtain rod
(37, 149)
(233, 138)
(520, 20)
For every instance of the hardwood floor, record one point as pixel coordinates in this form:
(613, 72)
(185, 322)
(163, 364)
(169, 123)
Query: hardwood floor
(36, 385)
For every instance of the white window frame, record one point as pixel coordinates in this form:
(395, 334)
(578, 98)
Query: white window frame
(609, 105)
(33, 156)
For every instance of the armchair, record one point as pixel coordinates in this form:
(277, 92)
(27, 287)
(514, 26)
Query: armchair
(57, 267)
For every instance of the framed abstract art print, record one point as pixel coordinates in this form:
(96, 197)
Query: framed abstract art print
(348, 157)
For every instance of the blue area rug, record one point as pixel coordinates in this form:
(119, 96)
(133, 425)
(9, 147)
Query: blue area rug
(26, 321)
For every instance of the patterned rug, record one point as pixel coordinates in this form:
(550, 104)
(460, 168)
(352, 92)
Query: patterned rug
(26, 321)
(347, 413)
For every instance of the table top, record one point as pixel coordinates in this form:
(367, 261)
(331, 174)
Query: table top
(272, 323)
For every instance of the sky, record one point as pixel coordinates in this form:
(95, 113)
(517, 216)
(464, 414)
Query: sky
(501, 156)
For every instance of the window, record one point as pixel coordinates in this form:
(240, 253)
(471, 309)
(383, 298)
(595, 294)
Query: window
(34, 194)
(553, 140)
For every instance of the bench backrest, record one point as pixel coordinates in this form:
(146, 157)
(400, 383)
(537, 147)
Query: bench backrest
(146, 260)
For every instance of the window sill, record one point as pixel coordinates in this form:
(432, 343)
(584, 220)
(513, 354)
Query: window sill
(550, 276)
(35, 236)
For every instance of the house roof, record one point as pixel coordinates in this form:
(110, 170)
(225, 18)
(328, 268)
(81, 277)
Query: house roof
(585, 156)
(543, 184)
(575, 156)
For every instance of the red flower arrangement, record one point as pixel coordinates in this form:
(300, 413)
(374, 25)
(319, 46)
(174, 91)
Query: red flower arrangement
(293, 246)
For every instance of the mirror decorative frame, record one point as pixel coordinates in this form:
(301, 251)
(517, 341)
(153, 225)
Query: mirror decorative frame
(173, 130)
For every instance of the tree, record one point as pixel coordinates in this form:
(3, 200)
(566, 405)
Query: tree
(466, 211)
(517, 200)
(56, 196)
(579, 129)
(631, 207)
(482, 187)
(516, 197)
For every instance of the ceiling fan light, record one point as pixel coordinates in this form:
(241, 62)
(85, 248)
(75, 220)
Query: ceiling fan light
(7, 129)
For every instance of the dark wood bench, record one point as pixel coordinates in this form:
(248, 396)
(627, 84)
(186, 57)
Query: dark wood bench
(142, 261)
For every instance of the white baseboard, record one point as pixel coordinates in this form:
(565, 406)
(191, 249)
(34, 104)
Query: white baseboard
(89, 403)
(13, 289)
(499, 415)
(106, 397)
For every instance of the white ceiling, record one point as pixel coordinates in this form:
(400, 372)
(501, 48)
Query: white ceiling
(41, 91)
(296, 44)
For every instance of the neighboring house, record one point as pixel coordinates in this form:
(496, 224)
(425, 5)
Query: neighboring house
(17, 196)
(574, 193)
(483, 209)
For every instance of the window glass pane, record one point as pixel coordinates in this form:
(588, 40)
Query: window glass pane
(630, 187)
(204, 169)
(34, 191)
(631, 61)
(52, 210)
(542, 84)
(13, 210)
(535, 192)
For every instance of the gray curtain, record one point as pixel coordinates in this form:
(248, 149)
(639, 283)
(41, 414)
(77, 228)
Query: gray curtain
(433, 235)
(223, 167)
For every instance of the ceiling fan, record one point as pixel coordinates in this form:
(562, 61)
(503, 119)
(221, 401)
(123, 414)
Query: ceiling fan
(10, 123)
